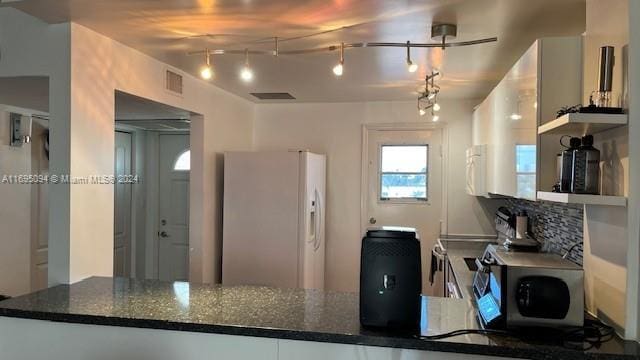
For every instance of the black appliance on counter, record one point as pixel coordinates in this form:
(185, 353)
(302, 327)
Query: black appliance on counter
(390, 278)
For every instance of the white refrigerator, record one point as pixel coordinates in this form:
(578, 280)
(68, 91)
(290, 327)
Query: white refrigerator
(274, 219)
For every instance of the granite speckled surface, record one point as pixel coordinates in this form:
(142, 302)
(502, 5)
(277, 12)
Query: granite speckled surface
(295, 314)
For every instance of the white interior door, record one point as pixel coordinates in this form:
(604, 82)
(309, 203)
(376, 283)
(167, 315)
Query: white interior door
(404, 185)
(122, 215)
(173, 198)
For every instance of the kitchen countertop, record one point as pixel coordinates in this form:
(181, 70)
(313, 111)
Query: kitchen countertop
(296, 314)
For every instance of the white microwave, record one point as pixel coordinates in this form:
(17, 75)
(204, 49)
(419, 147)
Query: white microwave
(476, 172)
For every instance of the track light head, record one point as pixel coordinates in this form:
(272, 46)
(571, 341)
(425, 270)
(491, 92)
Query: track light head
(339, 68)
(411, 67)
(206, 71)
(246, 74)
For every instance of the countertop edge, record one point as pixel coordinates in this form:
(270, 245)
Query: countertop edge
(539, 353)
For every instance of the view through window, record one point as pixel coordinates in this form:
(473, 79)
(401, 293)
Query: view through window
(526, 171)
(403, 172)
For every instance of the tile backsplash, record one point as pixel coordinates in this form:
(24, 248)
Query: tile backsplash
(557, 226)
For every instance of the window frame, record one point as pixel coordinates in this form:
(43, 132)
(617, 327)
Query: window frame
(380, 173)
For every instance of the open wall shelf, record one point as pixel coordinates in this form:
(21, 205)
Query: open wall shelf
(582, 199)
(583, 123)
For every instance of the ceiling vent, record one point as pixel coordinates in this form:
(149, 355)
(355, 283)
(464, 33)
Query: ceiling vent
(274, 96)
(173, 82)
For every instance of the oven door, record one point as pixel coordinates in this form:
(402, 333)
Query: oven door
(451, 288)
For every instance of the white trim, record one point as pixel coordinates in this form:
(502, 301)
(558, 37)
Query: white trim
(152, 188)
(632, 318)
(132, 213)
(364, 160)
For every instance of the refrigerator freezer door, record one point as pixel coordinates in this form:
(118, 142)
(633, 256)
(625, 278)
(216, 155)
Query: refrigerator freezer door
(312, 241)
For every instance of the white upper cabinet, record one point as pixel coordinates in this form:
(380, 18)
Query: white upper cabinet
(545, 78)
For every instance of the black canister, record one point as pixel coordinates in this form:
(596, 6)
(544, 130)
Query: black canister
(566, 167)
(586, 168)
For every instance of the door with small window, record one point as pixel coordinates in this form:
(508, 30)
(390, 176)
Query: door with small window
(404, 185)
(173, 222)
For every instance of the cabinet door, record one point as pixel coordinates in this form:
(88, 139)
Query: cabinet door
(296, 350)
(507, 123)
(481, 131)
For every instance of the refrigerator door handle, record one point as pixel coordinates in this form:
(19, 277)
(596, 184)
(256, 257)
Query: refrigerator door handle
(318, 224)
(313, 215)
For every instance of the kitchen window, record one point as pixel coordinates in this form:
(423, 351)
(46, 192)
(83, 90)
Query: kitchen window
(404, 172)
(526, 171)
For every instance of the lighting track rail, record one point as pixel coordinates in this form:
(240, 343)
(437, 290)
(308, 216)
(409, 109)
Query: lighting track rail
(427, 99)
(346, 46)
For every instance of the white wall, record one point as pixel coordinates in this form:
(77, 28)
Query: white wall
(633, 251)
(605, 228)
(15, 213)
(335, 129)
(33, 48)
(85, 69)
(100, 66)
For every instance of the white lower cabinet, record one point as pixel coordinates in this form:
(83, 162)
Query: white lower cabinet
(307, 350)
(22, 339)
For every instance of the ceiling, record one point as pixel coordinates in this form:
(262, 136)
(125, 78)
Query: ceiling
(29, 92)
(144, 114)
(168, 29)
(130, 107)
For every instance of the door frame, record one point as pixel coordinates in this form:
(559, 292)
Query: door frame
(364, 171)
(132, 202)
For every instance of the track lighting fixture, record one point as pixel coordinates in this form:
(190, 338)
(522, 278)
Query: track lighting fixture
(206, 72)
(246, 74)
(339, 68)
(411, 67)
(428, 98)
(440, 33)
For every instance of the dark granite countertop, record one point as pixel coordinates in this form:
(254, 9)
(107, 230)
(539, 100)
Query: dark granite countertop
(295, 314)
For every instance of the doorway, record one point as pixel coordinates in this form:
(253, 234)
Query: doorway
(403, 184)
(152, 165)
(174, 164)
(24, 204)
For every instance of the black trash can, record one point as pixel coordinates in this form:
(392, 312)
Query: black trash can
(390, 278)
